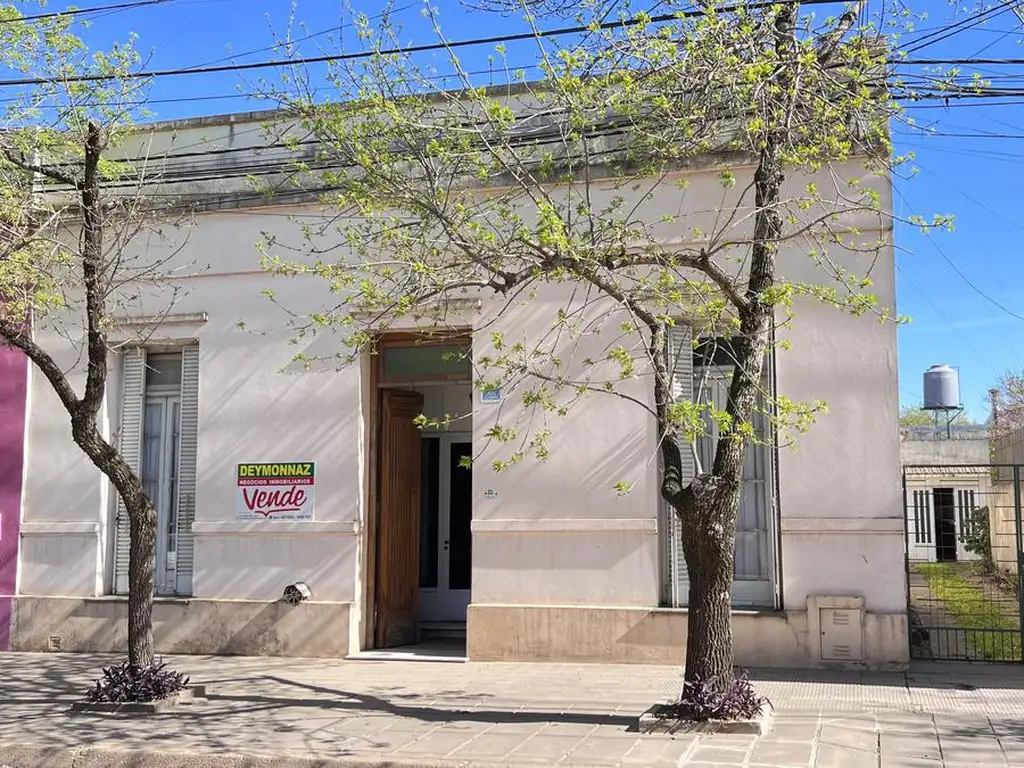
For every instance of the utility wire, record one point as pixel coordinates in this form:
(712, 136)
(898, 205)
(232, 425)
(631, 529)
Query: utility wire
(961, 62)
(310, 36)
(902, 276)
(953, 265)
(945, 33)
(84, 11)
(444, 45)
(496, 39)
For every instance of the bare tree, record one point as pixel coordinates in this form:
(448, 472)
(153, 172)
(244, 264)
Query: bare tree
(545, 187)
(65, 269)
(1007, 398)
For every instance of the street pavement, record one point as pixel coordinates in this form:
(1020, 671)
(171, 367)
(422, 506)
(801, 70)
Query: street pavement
(297, 713)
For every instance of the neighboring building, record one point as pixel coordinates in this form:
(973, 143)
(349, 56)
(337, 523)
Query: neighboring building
(1005, 513)
(543, 562)
(946, 479)
(13, 402)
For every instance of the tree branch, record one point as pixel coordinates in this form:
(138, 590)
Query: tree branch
(20, 337)
(829, 43)
(49, 171)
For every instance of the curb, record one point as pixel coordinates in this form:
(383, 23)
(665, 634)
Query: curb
(657, 720)
(191, 696)
(97, 757)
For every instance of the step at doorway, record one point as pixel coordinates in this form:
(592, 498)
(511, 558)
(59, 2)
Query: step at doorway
(450, 649)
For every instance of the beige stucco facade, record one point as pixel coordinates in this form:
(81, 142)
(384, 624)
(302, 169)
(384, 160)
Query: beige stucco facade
(563, 567)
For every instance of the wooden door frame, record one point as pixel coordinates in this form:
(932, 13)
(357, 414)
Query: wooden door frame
(374, 362)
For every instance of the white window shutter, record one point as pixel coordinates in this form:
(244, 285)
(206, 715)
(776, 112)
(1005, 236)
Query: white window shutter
(133, 396)
(676, 583)
(752, 583)
(187, 455)
(754, 549)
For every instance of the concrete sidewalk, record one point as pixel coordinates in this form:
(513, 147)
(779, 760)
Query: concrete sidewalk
(295, 712)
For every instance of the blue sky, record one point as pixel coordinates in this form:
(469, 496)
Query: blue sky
(960, 288)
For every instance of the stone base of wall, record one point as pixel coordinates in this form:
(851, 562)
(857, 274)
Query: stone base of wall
(575, 634)
(185, 626)
(658, 636)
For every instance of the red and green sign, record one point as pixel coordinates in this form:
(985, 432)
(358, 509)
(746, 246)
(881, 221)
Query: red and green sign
(276, 491)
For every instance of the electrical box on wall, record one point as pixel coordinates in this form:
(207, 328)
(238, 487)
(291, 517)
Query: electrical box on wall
(841, 636)
(836, 624)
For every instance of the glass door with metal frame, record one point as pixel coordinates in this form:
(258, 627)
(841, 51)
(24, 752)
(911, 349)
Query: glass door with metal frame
(445, 538)
(160, 449)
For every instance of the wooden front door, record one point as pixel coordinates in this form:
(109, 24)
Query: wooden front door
(398, 533)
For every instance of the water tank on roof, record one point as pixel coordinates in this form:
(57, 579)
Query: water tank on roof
(941, 388)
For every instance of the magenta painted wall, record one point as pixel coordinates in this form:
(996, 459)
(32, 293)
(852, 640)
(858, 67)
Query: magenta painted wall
(13, 384)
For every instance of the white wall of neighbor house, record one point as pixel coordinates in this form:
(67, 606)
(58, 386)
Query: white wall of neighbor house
(545, 533)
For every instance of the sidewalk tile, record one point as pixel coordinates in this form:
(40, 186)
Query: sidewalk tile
(651, 749)
(523, 728)
(855, 739)
(782, 753)
(438, 742)
(491, 746)
(552, 748)
(571, 729)
(922, 746)
(708, 751)
(986, 756)
(600, 750)
(829, 756)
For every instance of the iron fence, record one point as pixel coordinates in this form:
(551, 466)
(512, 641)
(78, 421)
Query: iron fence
(963, 554)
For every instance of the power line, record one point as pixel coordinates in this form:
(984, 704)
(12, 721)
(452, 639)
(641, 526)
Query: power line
(496, 39)
(945, 135)
(310, 36)
(953, 265)
(902, 273)
(235, 67)
(925, 93)
(83, 11)
(961, 62)
(945, 33)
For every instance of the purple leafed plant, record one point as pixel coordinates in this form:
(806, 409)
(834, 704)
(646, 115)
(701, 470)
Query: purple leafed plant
(703, 700)
(130, 683)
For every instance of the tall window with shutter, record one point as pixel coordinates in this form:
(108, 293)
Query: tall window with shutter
(159, 436)
(703, 374)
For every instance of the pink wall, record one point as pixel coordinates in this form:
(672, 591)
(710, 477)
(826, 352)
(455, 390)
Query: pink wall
(13, 383)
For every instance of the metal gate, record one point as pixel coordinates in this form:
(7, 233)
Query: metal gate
(964, 563)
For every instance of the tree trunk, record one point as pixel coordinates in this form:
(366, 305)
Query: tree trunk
(709, 547)
(141, 580)
(709, 647)
(141, 513)
(142, 528)
(709, 506)
(83, 411)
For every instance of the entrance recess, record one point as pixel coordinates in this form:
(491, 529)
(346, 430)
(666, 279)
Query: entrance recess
(418, 538)
(398, 532)
(445, 539)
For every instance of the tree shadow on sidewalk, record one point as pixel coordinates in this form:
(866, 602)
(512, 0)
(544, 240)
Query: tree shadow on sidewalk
(339, 700)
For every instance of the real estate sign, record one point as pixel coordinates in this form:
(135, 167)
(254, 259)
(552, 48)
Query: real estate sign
(278, 491)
